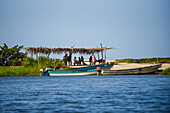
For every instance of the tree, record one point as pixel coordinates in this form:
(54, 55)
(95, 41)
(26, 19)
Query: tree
(11, 56)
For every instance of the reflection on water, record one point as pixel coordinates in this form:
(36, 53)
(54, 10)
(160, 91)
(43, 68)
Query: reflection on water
(120, 93)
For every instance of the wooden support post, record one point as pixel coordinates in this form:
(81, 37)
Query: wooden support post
(26, 52)
(71, 53)
(98, 55)
(102, 54)
(101, 51)
(36, 55)
(105, 54)
(32, 54)
(70, 58)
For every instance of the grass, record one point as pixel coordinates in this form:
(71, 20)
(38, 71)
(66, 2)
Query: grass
(165, 72)
(30, 67)
(19, 71)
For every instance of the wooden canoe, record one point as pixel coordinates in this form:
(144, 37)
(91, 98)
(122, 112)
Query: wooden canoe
(134, 71)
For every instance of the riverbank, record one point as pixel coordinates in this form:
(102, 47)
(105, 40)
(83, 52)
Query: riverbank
(34, 70)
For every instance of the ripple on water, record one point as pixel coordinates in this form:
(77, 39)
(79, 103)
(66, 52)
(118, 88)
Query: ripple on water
(144, 93)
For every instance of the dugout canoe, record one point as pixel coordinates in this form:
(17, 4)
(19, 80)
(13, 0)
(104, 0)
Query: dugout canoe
(134, 71)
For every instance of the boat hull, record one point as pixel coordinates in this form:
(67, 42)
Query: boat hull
(77, 72)
(73, 74)
(87, 68)
(135, 71)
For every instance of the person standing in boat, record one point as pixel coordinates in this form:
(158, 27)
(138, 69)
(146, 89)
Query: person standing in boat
(65, 59)
(90, 60)
(69, 60)
(94, 60)
(79, 61)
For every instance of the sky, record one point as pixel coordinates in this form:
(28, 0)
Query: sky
(137, 28)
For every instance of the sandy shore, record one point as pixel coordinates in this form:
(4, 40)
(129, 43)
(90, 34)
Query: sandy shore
(119, 66)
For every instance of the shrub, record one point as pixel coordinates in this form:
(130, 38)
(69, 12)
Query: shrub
(166, 72)
(30, 62)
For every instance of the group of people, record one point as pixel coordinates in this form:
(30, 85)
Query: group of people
(92, 60)
(80, 61)
(67, 59)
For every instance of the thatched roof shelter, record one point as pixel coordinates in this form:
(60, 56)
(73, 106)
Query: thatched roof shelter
(47, 51)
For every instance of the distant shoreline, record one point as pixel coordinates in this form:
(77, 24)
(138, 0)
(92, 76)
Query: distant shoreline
(119, 64)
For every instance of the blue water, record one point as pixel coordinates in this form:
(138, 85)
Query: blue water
(119, 93)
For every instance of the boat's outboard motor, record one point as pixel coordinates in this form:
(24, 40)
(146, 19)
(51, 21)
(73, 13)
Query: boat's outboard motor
(98, 69)
(41, 72)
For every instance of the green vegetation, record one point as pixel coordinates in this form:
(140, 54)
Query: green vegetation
(30, 67)
(15, 63)
(165, 72)
(11, 56)
(145, 60)
(19, 71)
(42, 62)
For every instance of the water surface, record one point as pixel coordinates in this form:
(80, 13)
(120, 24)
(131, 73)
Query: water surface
(117, 93)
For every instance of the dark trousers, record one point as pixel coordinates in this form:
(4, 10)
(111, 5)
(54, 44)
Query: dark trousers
(65, 62)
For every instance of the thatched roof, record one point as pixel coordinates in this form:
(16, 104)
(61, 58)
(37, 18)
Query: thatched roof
(44, 50)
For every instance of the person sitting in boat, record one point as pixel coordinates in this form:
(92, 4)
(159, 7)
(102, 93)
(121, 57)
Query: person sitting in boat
(75, 61)
(94, 60)
(82, 60)
(56, 68)
(102, 61)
